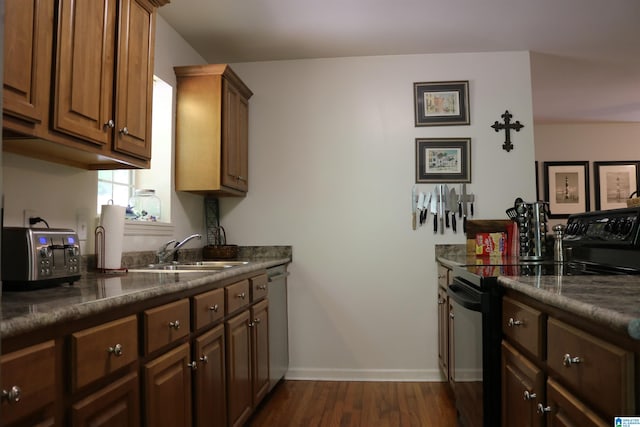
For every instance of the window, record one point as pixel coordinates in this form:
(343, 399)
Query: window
(120, 185)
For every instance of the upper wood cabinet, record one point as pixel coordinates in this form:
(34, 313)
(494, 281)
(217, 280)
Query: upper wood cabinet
(83, 97)
(212, 139)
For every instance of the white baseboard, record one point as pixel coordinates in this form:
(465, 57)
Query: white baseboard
(405, 375)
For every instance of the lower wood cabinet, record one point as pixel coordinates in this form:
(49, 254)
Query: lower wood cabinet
(260, 351)
(564, 409)
(239, 387)
(210, 402)
(167, 389)
(29, 376)
(522, 390)
(117, 404)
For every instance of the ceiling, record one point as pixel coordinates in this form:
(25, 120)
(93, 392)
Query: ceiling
(585, 54)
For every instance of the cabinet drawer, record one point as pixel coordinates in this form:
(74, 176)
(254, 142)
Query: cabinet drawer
(259, 287)
(32, 370)
(599, 372)
(523, 325)
(443, 276)
(98, 351)
(208, 308)
(236, 296)
(567, 410)
(165, 324)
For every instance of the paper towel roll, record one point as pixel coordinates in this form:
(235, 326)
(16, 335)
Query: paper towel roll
(112, 220)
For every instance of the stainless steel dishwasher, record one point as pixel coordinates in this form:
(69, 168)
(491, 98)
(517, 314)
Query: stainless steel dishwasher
(278, 324)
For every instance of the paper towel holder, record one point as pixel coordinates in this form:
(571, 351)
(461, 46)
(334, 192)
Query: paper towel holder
(100, 249)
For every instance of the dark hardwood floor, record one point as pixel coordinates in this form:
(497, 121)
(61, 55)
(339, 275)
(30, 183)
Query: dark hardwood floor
(356, 404)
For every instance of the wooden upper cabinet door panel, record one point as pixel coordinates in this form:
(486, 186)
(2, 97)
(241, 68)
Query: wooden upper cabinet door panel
(84, 69)
(28, 29)
(235, 138)
(134, 79)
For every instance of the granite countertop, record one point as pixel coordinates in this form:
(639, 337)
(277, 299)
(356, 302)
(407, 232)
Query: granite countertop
(612, 301)
(94, 293)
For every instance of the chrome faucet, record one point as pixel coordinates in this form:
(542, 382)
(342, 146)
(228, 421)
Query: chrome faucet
(165, 252)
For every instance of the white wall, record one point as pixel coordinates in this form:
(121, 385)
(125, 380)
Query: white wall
(331, 170)
(57, 192)
(590, 142)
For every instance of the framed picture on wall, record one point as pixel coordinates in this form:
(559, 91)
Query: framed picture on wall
(443, 160)
(441, 103)
(566, 188)
(615, 182)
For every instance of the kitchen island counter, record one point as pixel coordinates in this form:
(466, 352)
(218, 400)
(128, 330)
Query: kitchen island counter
(95, 293)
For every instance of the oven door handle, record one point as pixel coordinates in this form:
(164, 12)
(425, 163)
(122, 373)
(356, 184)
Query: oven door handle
(465, 296)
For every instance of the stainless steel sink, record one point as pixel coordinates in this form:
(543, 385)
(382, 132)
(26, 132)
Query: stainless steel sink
(191, 267)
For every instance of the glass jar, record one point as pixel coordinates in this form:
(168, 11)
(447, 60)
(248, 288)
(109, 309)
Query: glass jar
(144, 206)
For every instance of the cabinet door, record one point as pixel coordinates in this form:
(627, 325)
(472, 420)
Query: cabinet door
(31, 371)
(28, 28)
(443, 332)
(118, 404)
(235, 138)
(260, 350)
(565, 410)
(84, 69)
(167, 382)
(134, 79)
(210, 386)
(451, 347)
(522, 390)
(238, 343)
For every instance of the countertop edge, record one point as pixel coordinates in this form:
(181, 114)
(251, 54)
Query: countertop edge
(618, 322)
(32, 321)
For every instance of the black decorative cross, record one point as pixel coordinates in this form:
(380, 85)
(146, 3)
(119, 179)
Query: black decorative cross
(507, 126)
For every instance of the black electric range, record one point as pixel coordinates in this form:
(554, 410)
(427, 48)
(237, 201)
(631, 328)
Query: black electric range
(596, 243)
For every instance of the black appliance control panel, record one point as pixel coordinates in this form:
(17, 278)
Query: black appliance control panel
(616, 227)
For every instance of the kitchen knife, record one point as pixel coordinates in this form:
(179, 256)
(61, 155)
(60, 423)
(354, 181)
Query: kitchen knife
(464, 208)
(453, 201)
(441, 208)
(434, 208)
(427, 205)
(413, 208)
(445, 201)
(420, 207)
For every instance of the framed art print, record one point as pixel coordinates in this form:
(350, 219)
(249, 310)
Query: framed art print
(441, 103)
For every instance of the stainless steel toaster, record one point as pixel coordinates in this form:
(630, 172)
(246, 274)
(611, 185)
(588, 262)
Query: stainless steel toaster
(37, 257)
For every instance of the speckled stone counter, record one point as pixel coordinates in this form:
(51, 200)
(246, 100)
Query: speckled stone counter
(94, 293)
(612, 301)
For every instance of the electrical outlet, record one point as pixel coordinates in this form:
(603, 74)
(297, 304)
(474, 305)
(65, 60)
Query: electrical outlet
(28, 213)
(82, 223)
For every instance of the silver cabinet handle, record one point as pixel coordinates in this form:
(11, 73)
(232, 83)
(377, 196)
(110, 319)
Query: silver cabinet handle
(124, 131)
(175, 324)
(13, 395)
(116, 350)
(451, 314)
(512, 322)
(214, 308)
(109, 125)
(193, 365)
(204, 359)
(257, 320)
(568, 360)
(251, 324)
(441, 301)
(241, 178)
(241, 295)
(541, 409)
(262, 287)
(529, 396)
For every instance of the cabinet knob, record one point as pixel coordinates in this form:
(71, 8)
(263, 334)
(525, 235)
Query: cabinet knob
(441, 301)
(109, 125)
(241, 295)
(262, 287)
(175, 324)
(529, 396)
(13, 395)
(116, 350)
(251, 324)
(124, 131)
(512, 322)
(451, 314)
(541, 409)
(241, 178)
(568, 360)
(193, 365)
(214, 308)
(204, 359)
(256, 321)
